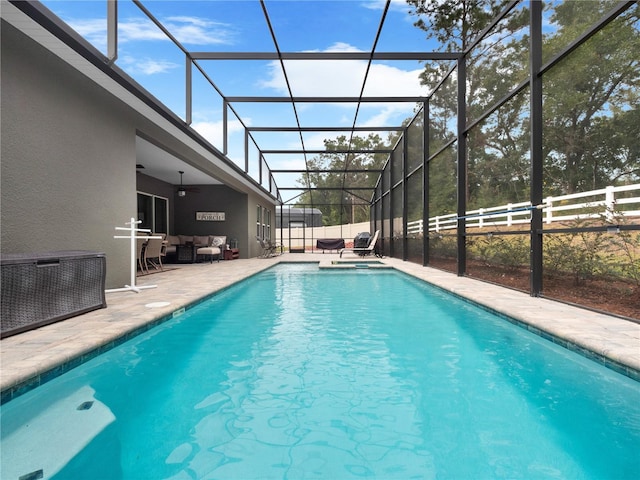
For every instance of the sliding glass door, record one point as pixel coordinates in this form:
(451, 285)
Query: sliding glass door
(153, 212)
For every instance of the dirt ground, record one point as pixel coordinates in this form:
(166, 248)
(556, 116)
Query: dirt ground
(609, 296)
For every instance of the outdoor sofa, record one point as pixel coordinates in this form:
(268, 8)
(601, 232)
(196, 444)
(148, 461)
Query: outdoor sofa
(204, 245)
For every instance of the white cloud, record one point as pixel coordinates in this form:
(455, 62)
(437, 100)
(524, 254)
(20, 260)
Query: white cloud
(392, 81)
(199, 31)
(146, 66)
(320, 78)
(379, 4)
(186, 29)
(89, 27)
(388, 114)
(197, 21)
(212, 131)
(315, 141)
(94, 30)
(328, 78)
(342, 47)
(139, 29)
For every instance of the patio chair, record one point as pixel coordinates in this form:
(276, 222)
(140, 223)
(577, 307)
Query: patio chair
(368, 250)
(274, 247)
(140, 243)
(163, 250)
(153, 253)
(267, 247)
(263, 246)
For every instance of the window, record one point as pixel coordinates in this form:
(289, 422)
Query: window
(160, 215)
(263, 223)
(259, 222)
(267, 222)
(153, 212)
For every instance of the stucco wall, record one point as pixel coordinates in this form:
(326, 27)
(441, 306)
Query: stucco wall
(68, 156)
(212, 198)
(252, 218)
(68, 175)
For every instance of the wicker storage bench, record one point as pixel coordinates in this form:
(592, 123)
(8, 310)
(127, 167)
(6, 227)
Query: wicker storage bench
(42, 288)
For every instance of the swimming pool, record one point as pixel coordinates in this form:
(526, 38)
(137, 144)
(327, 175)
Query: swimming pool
(301, 373)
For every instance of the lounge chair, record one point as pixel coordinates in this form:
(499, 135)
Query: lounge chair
(263, 245)
(268, 247)
(274, 247)
(368, 250)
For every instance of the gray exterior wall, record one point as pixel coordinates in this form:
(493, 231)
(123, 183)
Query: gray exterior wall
(211, 198)
(239, 208)
(68, 151)
(68, 175)
(252, 218)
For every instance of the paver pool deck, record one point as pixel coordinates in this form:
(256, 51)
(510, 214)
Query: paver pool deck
(30, 358)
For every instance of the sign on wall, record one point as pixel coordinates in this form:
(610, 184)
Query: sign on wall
(210, 216)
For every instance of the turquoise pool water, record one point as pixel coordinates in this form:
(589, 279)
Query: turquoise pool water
(298, 373)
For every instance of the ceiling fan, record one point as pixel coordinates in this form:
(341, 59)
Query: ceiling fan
(182, 190)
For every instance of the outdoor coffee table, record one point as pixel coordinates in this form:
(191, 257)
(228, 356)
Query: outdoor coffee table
(186, 253)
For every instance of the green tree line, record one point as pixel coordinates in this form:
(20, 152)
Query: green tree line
(332, 193)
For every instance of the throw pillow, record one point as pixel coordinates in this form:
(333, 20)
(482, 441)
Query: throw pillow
(217, 241)
(201, 240)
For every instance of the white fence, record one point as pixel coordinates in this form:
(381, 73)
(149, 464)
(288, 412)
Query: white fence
(301, 237)
(593, 204)
(584, 205)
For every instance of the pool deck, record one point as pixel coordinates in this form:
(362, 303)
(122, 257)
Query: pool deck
(33, 357)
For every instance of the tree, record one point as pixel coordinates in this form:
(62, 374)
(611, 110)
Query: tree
(454, 23)
(497, 165)
(591, 102)
(333, 192)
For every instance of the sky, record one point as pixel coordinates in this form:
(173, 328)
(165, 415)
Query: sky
(147, 55)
